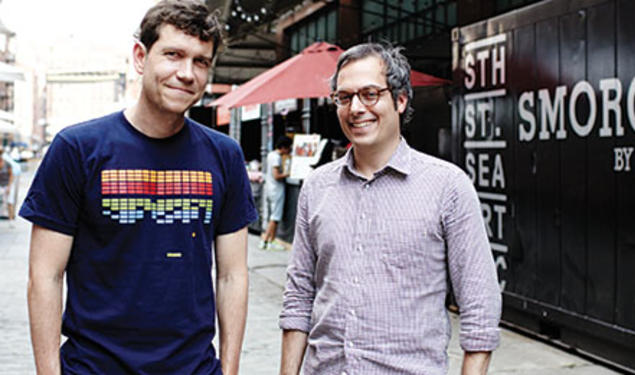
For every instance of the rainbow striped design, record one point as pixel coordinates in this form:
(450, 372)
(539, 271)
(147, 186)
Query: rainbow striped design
(149, 182)
(169, 196)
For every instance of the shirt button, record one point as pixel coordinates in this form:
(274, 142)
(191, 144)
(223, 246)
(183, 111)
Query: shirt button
(363, 216)
(367, 186)
(350, 344)
(359, 248)
(356, 280)
(353, 312)
(343, 373)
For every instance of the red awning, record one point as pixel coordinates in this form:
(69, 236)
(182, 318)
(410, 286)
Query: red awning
(305, 75)
(418, 79)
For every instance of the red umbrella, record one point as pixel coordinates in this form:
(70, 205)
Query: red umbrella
(305, 75)
(418, 79)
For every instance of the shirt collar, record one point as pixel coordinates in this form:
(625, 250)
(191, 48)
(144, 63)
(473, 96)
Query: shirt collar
(400, 161)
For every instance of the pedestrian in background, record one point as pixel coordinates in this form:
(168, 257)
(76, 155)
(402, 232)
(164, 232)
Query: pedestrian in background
(12, 197)
(274, 191)
(7, 177)
(128, 206)
(378, 234)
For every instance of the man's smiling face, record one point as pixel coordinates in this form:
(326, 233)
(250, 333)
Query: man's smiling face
(174, 70)
(369, 126)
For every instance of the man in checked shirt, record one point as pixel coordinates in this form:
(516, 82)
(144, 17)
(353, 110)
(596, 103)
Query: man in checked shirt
(378, 234)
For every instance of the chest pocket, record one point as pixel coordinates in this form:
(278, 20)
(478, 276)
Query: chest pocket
(412, 245)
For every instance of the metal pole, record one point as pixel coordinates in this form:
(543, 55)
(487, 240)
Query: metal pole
(306, 115)
(264, 141)
(235, 124)
(269, 107)
(266, 145)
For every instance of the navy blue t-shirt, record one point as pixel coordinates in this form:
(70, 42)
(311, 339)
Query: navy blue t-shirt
(144, 213)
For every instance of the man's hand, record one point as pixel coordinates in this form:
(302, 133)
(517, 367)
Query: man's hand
(475, 363)
(278, 174)
(47, 261)
(232, 281)
(293, 347)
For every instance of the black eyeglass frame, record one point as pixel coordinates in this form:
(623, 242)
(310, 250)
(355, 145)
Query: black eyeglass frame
(360, 96)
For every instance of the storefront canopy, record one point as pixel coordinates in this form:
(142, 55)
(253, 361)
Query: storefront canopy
(418, 79)
(305, 75)
(9, 73)
(7, 127)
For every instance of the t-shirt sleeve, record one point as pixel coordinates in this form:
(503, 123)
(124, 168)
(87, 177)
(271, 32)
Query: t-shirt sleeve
(277, 160)
(238, 206)
(53, 201)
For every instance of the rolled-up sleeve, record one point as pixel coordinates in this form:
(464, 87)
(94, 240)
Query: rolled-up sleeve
(300, 287)
(471, 266)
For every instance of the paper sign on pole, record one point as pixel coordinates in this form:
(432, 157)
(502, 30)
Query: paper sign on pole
(223, 115)
(250, 112)
(285, 106)
(305, 153)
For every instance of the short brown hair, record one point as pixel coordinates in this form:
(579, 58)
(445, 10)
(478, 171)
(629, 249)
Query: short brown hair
(190, 16)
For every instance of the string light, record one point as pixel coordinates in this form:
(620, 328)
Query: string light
(248, 16)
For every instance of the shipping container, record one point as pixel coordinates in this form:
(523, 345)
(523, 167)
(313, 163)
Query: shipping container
(543, 122)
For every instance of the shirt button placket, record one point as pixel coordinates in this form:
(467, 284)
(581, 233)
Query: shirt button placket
(356, 280)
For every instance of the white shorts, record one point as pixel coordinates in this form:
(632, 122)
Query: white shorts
(275, 206)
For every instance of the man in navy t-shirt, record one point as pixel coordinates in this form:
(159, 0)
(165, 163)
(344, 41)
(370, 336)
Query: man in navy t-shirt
(130, 207)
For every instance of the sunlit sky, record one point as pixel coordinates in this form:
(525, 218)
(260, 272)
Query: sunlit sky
(110, 22)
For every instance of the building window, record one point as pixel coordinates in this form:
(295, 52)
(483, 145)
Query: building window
(507, 5)
(400, 21)
(321, 28)
(6, 96)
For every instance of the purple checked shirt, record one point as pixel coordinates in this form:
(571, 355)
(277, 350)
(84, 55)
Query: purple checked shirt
(371, 258)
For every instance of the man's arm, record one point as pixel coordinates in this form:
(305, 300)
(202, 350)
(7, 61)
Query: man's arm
(299, 292)
(232, 281)
(48, 257)
(475, 363)
(473, 274)
(277, 173)
(293, 347)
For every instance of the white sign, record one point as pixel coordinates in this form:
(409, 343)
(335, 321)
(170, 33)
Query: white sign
(285, 106)
(250, 112)
(305, 153)
(485, 144)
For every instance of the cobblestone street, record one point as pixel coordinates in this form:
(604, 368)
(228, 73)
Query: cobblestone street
(261, 352)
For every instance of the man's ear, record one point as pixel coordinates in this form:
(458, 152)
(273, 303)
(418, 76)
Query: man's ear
(402, 102)
(139, 54)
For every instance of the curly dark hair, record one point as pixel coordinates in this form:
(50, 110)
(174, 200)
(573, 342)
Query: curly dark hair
(283, 142)
(191, 16)
(396, 69)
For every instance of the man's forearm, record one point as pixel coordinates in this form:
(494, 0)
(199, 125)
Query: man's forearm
(231, 297)
(475, 363)
(293, 347)
(45, 318)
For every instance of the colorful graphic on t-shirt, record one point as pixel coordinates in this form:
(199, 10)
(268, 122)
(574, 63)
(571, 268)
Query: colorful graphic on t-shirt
(169, 196)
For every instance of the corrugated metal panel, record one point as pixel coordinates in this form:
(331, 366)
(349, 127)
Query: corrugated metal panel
(547, 135)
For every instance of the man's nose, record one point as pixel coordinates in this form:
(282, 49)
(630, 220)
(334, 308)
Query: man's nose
(186, 71)
(356, 104)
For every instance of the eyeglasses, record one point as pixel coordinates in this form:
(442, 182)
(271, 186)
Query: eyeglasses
(368, 96)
